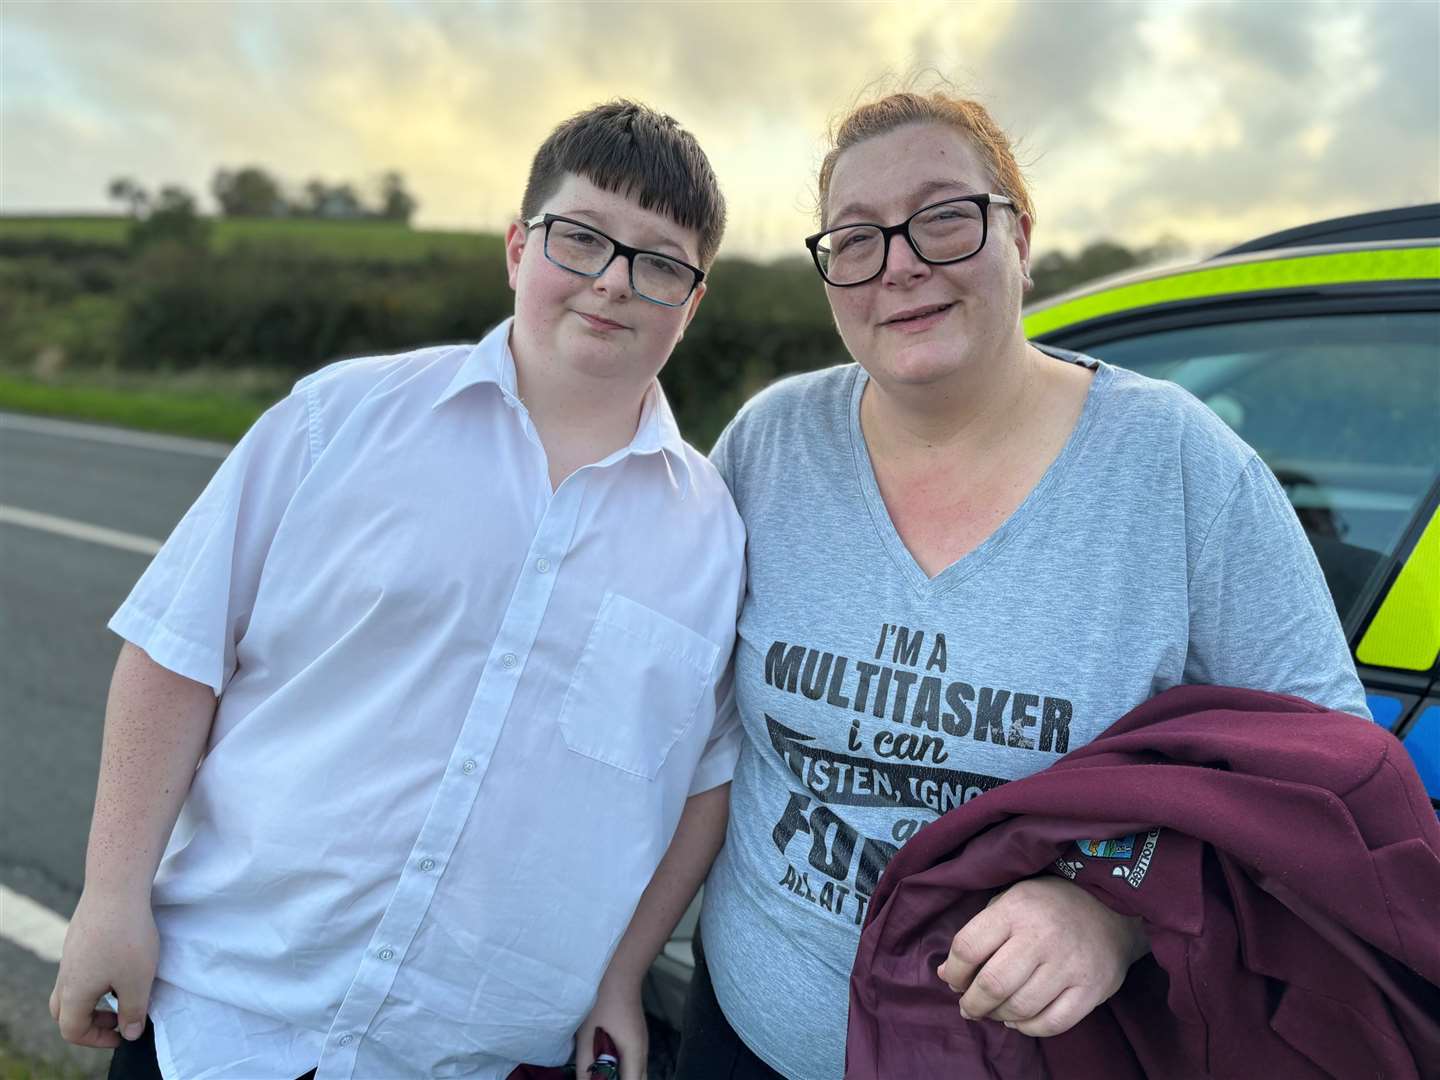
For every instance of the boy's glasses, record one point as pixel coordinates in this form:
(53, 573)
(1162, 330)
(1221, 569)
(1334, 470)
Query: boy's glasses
(585, 250)
(941, 233)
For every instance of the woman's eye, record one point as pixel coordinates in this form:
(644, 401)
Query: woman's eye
(955, 212)
(851, 241)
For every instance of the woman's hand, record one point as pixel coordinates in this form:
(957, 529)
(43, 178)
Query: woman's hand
(1041, 956)
(111, 944)
(617, 1010)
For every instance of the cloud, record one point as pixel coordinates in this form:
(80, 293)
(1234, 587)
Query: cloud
(1301, 119)
(1207, 120)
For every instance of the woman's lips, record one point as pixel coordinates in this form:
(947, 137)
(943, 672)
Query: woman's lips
(917, 319)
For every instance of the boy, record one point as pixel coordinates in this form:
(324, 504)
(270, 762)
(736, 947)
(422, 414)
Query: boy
(466, 613)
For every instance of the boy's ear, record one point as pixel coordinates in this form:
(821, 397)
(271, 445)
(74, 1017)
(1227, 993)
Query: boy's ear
(515, 238)
(694, 307)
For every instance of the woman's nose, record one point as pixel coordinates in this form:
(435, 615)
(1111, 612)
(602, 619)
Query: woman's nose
(902, 264)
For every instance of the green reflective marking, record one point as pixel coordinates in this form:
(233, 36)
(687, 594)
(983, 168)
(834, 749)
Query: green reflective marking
(1405, 632)
(1390, 264)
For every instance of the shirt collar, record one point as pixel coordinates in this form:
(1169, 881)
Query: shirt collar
(488, 362)
(657, 432)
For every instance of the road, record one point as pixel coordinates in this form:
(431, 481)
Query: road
(80, 508)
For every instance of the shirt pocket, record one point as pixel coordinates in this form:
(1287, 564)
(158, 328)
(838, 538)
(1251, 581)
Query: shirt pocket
(637, 687)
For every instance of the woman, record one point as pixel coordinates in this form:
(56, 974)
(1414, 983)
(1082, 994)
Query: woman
(967, 556)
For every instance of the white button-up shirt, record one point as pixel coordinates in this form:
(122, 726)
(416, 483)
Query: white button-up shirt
(459, 717)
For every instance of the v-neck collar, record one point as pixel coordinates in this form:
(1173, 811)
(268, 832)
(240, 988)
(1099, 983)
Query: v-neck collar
(974, 560)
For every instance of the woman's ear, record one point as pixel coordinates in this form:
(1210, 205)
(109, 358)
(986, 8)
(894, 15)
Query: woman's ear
(1022, 248)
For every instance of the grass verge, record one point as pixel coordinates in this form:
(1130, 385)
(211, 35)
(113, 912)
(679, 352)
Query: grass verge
(13, 1066)
(172, 405)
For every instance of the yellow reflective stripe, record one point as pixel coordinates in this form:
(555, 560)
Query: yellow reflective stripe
(1388, 264)
(1406, 630)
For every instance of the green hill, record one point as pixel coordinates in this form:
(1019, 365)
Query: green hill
(364, 240)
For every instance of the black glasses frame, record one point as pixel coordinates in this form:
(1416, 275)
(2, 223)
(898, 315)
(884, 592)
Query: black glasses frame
(624, 250)
(888, 232)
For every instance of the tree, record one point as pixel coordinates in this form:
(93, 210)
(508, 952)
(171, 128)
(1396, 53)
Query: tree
(248, 192)
(125, 189)
(253, 192)
(315, 192)
(173, 220)
(342, 202)
(396, 204)
(324, 200)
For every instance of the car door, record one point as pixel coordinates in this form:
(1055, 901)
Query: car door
(1339, 391)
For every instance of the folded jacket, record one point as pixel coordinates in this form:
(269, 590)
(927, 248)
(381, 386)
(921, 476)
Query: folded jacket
(1285, 860)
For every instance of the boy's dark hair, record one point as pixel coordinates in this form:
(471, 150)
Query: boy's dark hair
(625, 147)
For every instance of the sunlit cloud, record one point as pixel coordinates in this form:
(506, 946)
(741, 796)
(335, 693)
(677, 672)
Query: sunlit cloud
(1206, 121)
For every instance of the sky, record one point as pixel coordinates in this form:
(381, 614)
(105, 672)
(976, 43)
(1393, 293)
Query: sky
(1205, 121)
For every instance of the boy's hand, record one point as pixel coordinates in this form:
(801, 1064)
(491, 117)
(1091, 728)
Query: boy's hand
(1041, 956)
(112, 944)
(617, 1010)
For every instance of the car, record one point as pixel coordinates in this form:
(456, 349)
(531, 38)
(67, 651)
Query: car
(1320, 346)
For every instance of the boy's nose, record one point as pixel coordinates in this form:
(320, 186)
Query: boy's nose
(615, 281)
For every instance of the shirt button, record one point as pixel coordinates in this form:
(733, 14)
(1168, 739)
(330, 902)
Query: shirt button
(427, 865)
(543, 565)
(386, 954)
(346, 1040)
(469, 766)
(509, 660)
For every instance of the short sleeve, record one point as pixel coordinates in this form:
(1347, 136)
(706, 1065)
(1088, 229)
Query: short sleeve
(722, 749)
(1261, 616)
(193, 603)
(720, 455)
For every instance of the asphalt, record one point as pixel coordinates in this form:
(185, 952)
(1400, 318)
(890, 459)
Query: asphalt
(56, 593)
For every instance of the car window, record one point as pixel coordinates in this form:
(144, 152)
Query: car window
(1345, 409)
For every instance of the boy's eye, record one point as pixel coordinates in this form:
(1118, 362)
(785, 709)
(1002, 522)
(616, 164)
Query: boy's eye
(574, 234)
(658, 265)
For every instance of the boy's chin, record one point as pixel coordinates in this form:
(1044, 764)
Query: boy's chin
(611, 363)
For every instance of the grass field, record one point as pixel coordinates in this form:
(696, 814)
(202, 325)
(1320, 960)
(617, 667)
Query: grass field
(13, 1066)
(386, 240)
(199, 404)
(90, 230)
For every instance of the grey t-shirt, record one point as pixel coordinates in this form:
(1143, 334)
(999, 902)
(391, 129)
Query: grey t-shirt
(1158, 549)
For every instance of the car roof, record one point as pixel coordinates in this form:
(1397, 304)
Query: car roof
(1403, 263)
(1400, 246)
(1398, 223)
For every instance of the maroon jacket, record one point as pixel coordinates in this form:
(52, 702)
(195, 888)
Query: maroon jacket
(1285, 860)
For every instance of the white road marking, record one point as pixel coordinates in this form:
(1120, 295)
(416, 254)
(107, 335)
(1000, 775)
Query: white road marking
(31, 926)
(119, 436)
(78, 530)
